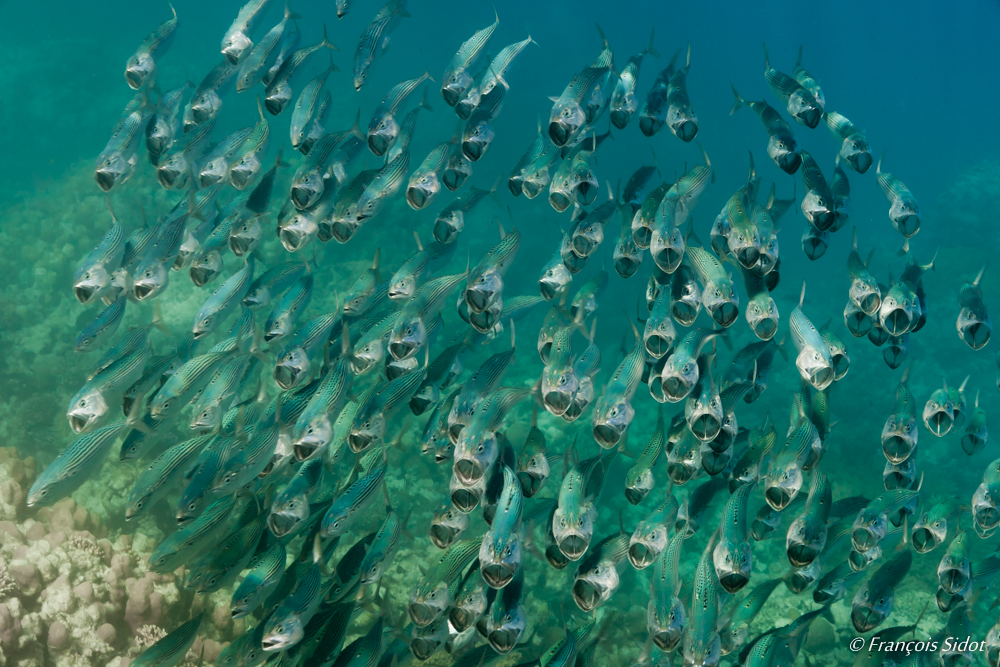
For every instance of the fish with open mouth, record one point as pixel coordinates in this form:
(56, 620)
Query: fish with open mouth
(904, 211)
(802, 105)
(781, 146)
(623, 100)
(140, 70)
(974, 323)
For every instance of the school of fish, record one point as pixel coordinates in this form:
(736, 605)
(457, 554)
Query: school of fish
(293, 410)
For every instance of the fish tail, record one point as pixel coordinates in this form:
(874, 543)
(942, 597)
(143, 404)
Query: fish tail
(650, 50)
(739, 100)
(326, 41)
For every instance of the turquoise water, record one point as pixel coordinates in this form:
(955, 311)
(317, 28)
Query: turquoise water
(917, 78)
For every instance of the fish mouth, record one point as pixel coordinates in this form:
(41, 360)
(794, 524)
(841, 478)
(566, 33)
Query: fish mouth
(923, 540)
(667, 640)
(378, 144)
(586, 595)
(574, 546)
(733, 582)
(275, 105)
(810, 117)
(815, 246)
(761, 530)
(635, 495)
(821, 377)
(715, 462)
(861, 162)
(684, 313)
(748, 257)
(450, 95)
(359, 442)
(626, 266)
(557, 402)
(705, 427)
(840, 364)
(987, 517)
(765, 329)
(863, 539)
(947, 601)
(473, 150)
(531, 188)
(497, 575)
(417, 197)
(202, 276)
(142, 290)
(286, 376)
(461, 619)
(607, 435)
(657, 346)
(668, 258)
(977, 335)
(559, 133)
(85, 293)
(444, 232)
(79, 423)
(550, 289)
(304, 449)
(241, 245)
(342, 231)
(559, 201)
(281, 523)
(620, 119)
(801, 555)
(897, 322)
(516, 185)
(642, 236)
(484, 321)
(469, 471)
(441, 536)
(640, 555)
(865, 619)
(134, 77)
(477, 299)
(725, 314)
(908, 224)
(650, 125)
(675, 389)
(585, 193)
(503, 641)
(464, 108)
(790, 162)
(953, 580)
(870, 303)
(167, 176)
(555, 557)
(424, 647)
(464, 500)
(939, 423)
(422, 614)
(293, 239)
(679, 473)
(778, 497)
(972, 443)
(896, 449)
(233, 54)
(858, 323)
(402, 350)
(105, 179)
(799, 582)
(303, 197)
(685, 130)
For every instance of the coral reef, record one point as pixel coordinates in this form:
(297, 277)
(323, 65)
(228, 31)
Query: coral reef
(69, 595)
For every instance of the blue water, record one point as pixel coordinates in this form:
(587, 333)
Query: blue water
(917, 77)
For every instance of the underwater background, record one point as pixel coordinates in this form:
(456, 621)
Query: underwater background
(917, 77)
